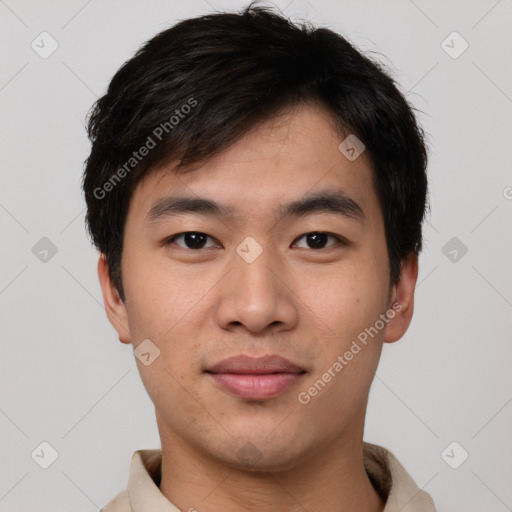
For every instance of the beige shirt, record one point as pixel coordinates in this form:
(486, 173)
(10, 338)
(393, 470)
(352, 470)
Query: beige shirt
(387, 475)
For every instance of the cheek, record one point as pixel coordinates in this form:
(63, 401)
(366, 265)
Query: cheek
(156, 297)
(348, 298)
(164, 307)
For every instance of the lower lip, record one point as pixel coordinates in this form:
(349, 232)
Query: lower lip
(256, 386)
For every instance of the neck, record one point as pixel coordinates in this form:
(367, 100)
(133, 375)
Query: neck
(332, 479)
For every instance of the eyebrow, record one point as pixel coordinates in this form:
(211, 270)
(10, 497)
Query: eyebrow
(327, 201)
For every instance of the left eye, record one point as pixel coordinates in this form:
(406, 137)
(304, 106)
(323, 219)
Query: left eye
(318, 240)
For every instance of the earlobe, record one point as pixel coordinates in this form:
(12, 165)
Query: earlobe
(114, 306)
(402, 300)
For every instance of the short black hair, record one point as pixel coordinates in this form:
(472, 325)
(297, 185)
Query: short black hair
(196, 88)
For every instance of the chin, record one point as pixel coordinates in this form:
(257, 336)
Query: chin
(271, 460)
(258, 453)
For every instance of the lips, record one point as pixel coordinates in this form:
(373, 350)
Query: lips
(253, 378)
(255, 365)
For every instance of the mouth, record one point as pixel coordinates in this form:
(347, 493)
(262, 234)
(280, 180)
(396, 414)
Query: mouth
(253, 378)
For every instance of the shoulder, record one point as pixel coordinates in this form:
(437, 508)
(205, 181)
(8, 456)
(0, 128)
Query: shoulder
(393, 482)
(121, 503)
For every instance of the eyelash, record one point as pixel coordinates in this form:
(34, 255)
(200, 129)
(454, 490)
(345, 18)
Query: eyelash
(341, 241)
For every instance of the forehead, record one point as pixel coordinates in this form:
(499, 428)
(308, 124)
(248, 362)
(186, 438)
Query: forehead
(287, 157)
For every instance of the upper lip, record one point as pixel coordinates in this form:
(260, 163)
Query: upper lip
(255, 365)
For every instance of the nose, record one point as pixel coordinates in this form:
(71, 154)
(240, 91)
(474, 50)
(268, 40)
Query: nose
(257, 296)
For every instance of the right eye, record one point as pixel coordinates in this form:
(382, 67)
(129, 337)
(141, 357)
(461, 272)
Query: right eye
(193, 240)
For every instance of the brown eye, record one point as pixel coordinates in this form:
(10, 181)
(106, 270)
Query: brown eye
(192, 240)
(318, 240)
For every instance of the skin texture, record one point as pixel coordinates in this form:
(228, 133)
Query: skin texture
(308, 305)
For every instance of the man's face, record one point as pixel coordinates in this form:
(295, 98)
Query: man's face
(255, 284)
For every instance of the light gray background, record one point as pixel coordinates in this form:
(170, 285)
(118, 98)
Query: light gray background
(66, 379)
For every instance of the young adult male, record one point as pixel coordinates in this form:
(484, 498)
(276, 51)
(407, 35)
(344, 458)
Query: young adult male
(256, 190)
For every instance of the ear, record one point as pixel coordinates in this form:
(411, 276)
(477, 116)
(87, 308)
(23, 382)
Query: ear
(402, 299)
(114, 306)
